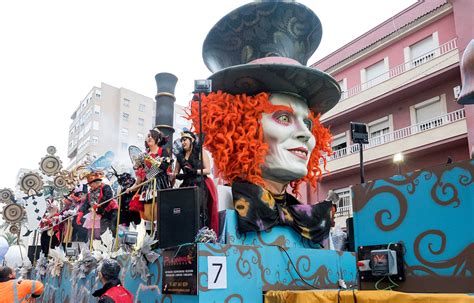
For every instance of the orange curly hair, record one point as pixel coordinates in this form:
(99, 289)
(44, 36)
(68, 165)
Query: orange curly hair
(234, 136)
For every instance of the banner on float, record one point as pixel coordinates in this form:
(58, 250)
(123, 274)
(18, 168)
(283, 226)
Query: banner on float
(180, 270)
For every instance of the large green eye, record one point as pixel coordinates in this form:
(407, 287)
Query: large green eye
(283, 118)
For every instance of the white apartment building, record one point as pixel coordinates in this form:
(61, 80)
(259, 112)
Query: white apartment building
(112, 119)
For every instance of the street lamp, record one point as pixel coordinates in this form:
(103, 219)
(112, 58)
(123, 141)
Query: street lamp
(398, 159)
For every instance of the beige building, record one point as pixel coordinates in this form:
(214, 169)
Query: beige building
(111, 119)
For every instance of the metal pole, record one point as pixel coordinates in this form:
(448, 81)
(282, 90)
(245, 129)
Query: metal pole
(35, 240)
(201, 162)
(361, 153)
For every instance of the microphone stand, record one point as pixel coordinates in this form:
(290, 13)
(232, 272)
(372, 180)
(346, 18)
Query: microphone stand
(197, 97)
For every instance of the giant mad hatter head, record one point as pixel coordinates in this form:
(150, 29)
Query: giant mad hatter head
(262, 119)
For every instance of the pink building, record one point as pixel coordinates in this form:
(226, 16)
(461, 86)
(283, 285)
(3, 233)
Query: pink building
(402, 79)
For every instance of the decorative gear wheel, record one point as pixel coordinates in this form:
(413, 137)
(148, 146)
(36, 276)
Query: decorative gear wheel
(59, 182)
(50, 165)
(13, 213)
(6, 195)
(51, 150)
(14, 229)
(31, 181)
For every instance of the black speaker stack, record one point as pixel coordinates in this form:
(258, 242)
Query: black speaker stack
(178, 216)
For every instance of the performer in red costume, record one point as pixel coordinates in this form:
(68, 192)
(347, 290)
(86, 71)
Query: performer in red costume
(146, 168)
(98, 194)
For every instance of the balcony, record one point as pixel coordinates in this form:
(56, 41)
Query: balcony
(431, 62)
(426, 132)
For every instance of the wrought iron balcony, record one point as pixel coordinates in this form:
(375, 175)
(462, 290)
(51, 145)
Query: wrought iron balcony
(402, 133)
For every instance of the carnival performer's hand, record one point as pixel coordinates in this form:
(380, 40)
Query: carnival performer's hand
(188, 170)
(180, 176)
(56, 218)
(95, 207)
(79, 217)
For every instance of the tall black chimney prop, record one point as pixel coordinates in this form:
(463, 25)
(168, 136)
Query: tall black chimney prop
(165, 99)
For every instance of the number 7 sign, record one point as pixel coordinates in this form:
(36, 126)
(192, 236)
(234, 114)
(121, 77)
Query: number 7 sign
(216, 272)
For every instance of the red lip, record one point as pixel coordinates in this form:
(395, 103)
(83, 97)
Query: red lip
(300, 152)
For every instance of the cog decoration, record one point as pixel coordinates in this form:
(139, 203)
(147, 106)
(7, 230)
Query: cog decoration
(14, 229)
(31, 182)
(13, 213)
(6, 195)
(51, 150)
(50, 165)
(59, 182)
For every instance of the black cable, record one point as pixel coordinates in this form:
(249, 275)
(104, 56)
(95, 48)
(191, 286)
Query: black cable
(294, 267)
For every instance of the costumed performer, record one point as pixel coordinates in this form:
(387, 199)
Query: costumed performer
(188, 162)
(52, 235)
(98, 194)
(79, 196)
(146, 168)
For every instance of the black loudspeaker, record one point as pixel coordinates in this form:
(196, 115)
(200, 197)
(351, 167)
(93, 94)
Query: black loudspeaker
(31, 252)
(359, 133)
(178, 216)
(350, 234)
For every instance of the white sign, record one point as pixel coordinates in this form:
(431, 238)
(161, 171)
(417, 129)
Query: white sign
(216, 272)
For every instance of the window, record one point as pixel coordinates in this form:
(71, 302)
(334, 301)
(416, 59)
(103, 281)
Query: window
(378, 131)
(423, 50)
(125, 117)
(140, 136)
(87, 128)
(95, 125)
(124, 132)
(141, 121)
(126, 102)
(376, 73)
(95, 140)
(426, 113)
(141, 107)
(339, 145)
(98, 93)
(96, 109)
(344, 206)
(343, 85)
(124, 146)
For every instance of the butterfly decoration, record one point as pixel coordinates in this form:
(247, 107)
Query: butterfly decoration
(103, 162)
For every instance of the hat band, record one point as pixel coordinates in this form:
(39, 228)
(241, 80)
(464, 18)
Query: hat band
(275, 60)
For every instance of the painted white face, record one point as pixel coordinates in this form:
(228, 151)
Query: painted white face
(289, 138)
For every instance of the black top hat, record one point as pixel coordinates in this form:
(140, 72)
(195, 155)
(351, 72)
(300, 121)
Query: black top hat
(263, 47)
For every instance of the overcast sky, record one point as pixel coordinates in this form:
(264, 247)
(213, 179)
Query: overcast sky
(53, 52)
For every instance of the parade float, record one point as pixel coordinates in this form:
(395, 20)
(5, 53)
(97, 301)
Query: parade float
(412, 233)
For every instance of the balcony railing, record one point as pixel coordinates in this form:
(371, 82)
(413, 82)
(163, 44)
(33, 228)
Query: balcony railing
(344, 208)
(400, 69)
(402, 133)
